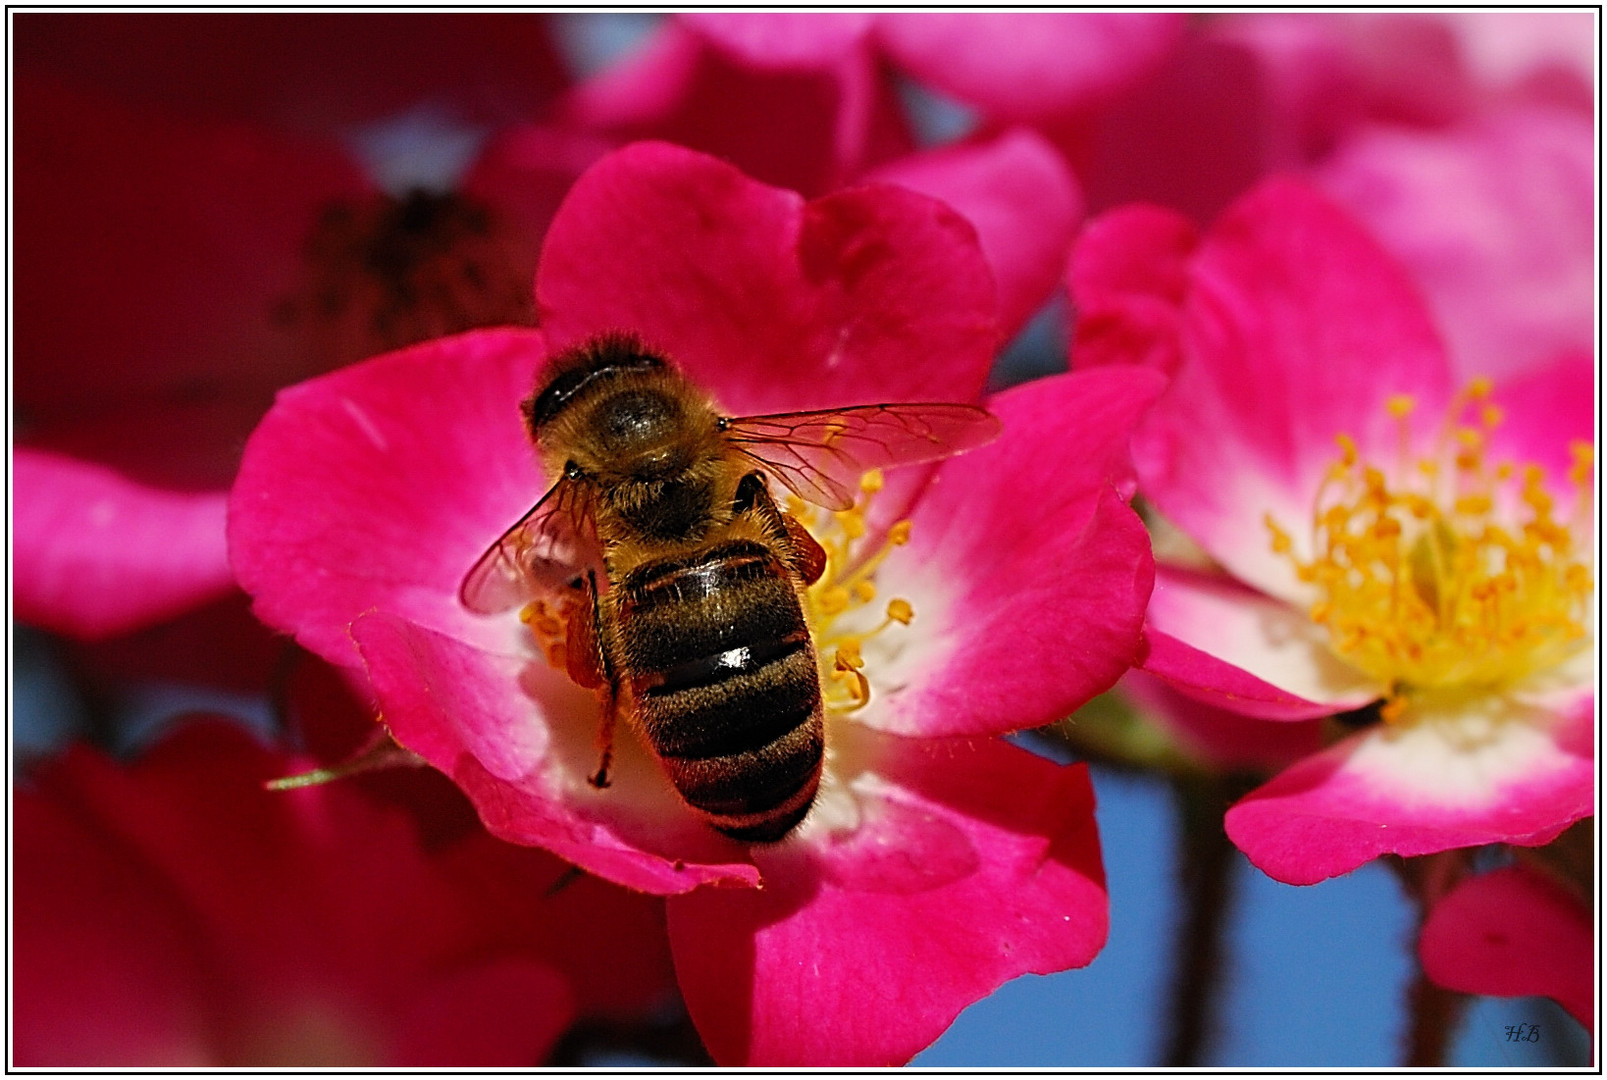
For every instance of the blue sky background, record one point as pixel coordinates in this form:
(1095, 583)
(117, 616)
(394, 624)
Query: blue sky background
(1313, 976)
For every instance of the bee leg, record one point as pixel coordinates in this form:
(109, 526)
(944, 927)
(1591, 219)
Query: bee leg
(587, 664)
(808, 557)
(599, 779)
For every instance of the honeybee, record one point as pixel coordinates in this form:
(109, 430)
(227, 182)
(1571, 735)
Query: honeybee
(682, 578)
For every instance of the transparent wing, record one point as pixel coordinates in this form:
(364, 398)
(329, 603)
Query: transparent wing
(542, 554)
(820, 456)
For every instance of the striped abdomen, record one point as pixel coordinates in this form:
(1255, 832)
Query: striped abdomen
(722, 670)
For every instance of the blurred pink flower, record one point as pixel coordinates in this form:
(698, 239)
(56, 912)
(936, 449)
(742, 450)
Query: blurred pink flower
(172, 913)
(367, 494)
(1495, 221)
(225, 261)
(1246, 95)
(1401, 565)
(1013, 67)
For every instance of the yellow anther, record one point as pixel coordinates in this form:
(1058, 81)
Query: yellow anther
(1400, 406)
(899, 534)
(1491, 416)
(1480, 388)
(900, 611)
(1584, 462)
(871, 482)
(848, 656)
(852, 523)
(864, 592)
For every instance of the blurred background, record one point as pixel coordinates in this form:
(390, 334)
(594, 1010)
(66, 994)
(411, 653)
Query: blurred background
(174, 175)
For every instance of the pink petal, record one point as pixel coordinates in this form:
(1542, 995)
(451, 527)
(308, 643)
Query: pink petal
(782, 40)
(1193, 135)
(811, 130)
(1021, 66)
(623, 973)
(137, 975)
(301, 923)
(520, 739)
(1494, 220)
(1490, 771)
(1546, 410)
(1023, 201)
(869, 295)
(96, 554)
(1290, 305)
(975, 862)
(1324, 73)
(379, 485)
(1129, 277)
(1533, 55)
(504, 1012)
(1028, 572)
(185, 256)
(1513, 933)
(1229, 646)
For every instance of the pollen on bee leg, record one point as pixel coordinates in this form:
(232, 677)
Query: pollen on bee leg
(549, 629)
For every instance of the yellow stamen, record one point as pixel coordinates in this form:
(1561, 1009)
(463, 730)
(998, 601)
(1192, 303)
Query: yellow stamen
(847, 587)
(1424, 583)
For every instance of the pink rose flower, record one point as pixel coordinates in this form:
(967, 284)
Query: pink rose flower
(939, 861)
(1511, 933)
(227, 260)
(1381, 539)
(173, 913)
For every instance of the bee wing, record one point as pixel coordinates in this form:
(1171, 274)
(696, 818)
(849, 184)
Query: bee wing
(820, 456)
(543, 553)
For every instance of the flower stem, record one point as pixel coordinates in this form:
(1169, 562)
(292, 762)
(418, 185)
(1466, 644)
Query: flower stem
(1205, 867)
(1434, 1013)
(1433, 1010)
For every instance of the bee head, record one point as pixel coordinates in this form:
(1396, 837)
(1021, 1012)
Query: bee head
(577, 372)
